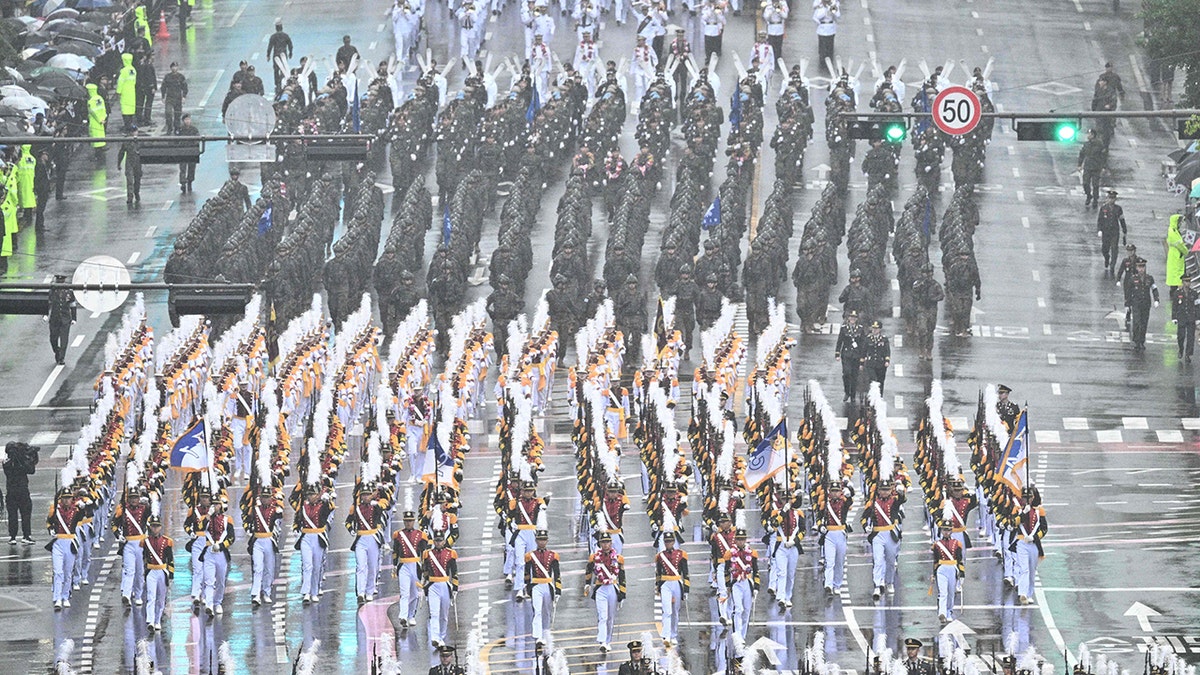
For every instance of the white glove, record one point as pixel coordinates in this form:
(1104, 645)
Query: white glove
(1099, 234)
(1156, 303)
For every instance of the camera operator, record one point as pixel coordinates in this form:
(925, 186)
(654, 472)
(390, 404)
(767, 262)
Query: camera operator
(20, 462)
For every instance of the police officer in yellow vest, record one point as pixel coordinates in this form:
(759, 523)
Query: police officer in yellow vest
(127, 89)
(26, 168)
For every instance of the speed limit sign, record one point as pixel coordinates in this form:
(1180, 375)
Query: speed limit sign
(956, 110)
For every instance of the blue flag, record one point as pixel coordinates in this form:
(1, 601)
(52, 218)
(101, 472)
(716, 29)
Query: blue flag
(355, 110)
(447, 229)
(735, 110)
(264, 221)
(1016, 454)
(768, 458)
(189, 452)
(535, 104)
(439, 464)
(712, 217)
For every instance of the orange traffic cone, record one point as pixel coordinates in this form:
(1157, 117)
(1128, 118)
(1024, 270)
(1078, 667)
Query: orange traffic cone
(162, 26)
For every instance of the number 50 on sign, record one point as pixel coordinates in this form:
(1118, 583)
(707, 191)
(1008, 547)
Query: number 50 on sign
(956, 110)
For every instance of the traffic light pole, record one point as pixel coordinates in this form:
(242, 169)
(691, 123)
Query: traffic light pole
(1018, 115)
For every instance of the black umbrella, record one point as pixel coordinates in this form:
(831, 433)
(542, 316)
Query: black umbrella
(79, 48)
(44, 54)
(9, 112)
(1180, 155)
(45, 93)
(63, 13)
(12, 127)
(1188, 171)
(59, 25)
(82, 35)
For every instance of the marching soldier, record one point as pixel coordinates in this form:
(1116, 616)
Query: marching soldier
(673, 582)
(926, 294)
(160, 570)
(611, 514)
(834, 526)
(129, 524)
(948, 568)
(851, 344)
(741, 580)
(960, 503)
(1140, 292)
(64, 517)
(543, 585)
(604, 582)
(877, 356)
(1027, 541)
(264, 549)
(786, 548)
(194, 525)
(524, 513)
(312, 522)
(408, 547)
(855, 297)
(220, 536)
(439, 578)
(883, 519)
(365, 522)
(720, 543)
(1110, 221)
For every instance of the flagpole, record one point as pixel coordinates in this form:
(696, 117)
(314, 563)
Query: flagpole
(1028, 449)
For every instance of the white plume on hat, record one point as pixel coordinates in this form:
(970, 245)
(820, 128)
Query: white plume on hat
(888, 449)
(991, 418)
(937, 426)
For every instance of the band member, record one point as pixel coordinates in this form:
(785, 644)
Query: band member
(543, 585)
(160, 570)
(264, 549)
(408, 545)
(439, 578)
(604, 582)
(312, 521)
(365, 522)
(673, 582)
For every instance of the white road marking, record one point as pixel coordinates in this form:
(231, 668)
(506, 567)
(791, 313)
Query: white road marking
(166, 205)
(1020, 195)
(150, 231)
(371, 47)
(1056, 389)
(41, 394)
(1046, 436)
(77, 341)
(1135, 423)
(1025, 222)
(1109, 436)
(1075, 423)
(133, 257)
(899, 370)
(1051, 359)
(1041, 302)
(211, 88)
(1037, 276)
(1029, 246)
(238, 15)
(1016, 172)
(1087, 25)
(1045, 329)
(1137, 72)
(1169, 436)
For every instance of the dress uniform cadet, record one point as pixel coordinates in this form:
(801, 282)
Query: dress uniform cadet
(240, 412)
(220, 538)
(604, 581)
(960, 503)
(62, 522)
(913, 662)
(84, 535)
(129, 524)
(637, 664)
(786, 549)
(524, 513)
(948, 567)
(610, 516)
(834, 526)
(742, 580)
(439, 578)
(264, 549)
(1027, 542)
(408, 546)
(159, 551)
(720, 542)
(543, 585)
(194, 525)
(312, 521)
(673, 582)
(365, 522)
(446, 664)
(877, 356)
(1110, 221)
(849, 351)
(884, 520)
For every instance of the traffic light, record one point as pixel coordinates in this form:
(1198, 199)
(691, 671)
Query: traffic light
(33, 303)
(892, 131)
(1062, 131)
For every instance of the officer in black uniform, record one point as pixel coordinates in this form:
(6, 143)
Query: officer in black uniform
(1109, 221)
(1006, 409)
(636, 665)
(913, 661)
(849, 350)
(446, 665)
(1093, 156)
(878, 355)
(1139, 293)
(61, 318)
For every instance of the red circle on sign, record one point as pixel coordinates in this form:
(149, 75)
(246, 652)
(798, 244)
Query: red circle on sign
(956, 110)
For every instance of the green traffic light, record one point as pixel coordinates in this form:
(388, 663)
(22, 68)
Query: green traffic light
(894, 133)
(1066, 132)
